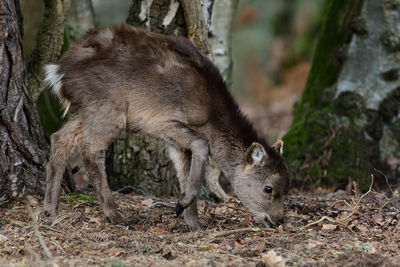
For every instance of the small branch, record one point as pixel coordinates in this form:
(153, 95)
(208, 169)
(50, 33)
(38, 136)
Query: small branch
(327, 219)
(38, 234)
(354, 209)
(239, 231)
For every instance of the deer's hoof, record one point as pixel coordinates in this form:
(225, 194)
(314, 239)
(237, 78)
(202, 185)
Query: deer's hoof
(179, 209)
(114, 219)
(112, 216)
(46, 213)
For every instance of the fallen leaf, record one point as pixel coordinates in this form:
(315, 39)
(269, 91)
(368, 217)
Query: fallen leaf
(169, 256)
(203, 247)
(3, 238)
(148, 202)
(260, 246)
(328, 227)
(237, 245)
(95, 220)
(315, 244)
(228, 243)
(115, 252)
(378, 219)
(362, 228)
(220, 210)
(158, 229)
(272, 259)
(32, 200)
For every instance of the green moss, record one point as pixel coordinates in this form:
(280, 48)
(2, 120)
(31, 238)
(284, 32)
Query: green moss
(75, 197)
(330, 148)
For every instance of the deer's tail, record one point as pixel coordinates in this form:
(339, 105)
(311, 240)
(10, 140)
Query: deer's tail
(53, 78)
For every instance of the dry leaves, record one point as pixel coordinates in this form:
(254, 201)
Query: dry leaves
(273, 260)
(152, 235)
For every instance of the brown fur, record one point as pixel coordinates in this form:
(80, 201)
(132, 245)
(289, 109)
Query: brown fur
(124, 78)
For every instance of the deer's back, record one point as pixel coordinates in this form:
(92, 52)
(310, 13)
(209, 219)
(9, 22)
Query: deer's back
(153, 77)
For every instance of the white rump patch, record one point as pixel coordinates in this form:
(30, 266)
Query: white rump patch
(53, 80)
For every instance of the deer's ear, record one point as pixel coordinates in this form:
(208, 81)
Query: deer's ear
(256, 154)
(278, 146)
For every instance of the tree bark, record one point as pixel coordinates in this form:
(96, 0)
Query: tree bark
(23, 147)
(48, 43)
(196, 25)
(347, 121)
(140, 160)
(220, 36)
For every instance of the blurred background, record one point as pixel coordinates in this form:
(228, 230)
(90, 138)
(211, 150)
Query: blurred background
(272, 44)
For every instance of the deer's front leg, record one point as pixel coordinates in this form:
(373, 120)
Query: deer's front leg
(181, 159)
(200, 151)
(187, 138)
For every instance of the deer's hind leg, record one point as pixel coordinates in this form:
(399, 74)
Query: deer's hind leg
(62, 143)
(100, 130)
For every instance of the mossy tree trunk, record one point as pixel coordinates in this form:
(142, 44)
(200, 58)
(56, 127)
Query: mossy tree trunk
(23, 147)
(347, 121)
(49, 42)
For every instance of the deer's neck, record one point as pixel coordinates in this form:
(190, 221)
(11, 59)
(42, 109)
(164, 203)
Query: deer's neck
(229, 142)
(228, 154)
(229, 132)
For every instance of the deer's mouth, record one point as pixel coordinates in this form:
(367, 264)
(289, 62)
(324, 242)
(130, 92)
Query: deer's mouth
(265, 219)
(268, 222)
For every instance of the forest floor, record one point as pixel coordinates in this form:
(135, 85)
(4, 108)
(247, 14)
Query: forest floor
(355, 230)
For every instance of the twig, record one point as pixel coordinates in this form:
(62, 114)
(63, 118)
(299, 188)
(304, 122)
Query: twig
(38, 234)
(239, 231)
(59, 246)
(54, 230)
(342, 200)
(354, 209)
(327, 219)
(128, 189)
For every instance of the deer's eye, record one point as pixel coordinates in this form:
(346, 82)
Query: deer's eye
(268, 189)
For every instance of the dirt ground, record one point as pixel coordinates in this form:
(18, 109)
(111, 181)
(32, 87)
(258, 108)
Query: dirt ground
(357, 231)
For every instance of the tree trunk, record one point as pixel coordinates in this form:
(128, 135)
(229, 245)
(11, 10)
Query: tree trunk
(81, 18)
(48, 43)
(347, 121)
(23, 147)
(220, 36)
(140, 160)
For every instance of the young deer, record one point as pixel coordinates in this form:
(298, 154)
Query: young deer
(128, 79)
